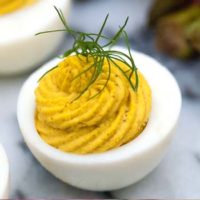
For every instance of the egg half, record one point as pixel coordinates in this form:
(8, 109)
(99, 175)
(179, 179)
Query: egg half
(119, 167)
(4, 174)
(20, 49)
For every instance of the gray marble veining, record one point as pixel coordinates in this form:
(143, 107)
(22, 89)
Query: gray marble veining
(178, 175)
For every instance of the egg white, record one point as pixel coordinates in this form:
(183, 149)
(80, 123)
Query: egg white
(4, 174)
(20, 49)
(119, 167)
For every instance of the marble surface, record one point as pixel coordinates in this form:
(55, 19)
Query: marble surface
(178, 175)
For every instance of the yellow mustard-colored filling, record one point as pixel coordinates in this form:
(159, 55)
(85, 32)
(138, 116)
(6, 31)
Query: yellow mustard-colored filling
(89, 125)
(8, 6)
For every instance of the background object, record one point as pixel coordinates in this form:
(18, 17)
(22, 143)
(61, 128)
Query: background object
(160, 8)
(177, 27)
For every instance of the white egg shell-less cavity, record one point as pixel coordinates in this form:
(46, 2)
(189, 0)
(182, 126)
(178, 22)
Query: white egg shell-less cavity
(119, 167)
(20, 49)
(4, 174)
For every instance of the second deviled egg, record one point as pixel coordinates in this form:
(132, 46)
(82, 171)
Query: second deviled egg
(20, 49)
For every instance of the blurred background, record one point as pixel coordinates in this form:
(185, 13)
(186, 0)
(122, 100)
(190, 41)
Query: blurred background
(167, 30)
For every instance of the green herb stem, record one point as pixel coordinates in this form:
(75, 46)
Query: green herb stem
(87, 45)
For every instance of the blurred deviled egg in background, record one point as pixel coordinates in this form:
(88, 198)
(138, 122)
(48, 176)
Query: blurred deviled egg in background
(20, 49)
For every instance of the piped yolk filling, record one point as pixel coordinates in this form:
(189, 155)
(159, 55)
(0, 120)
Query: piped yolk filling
(9, 6)
(90, 125)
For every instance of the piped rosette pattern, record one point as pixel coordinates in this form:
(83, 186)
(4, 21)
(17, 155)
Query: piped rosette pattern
(90, 125)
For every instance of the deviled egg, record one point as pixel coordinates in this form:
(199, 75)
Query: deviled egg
(100, 118)
(4, 174)
(120, 166)
(20, 49)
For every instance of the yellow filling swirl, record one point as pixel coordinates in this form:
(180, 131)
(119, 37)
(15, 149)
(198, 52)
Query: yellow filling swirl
(89, 125)
(8, 6)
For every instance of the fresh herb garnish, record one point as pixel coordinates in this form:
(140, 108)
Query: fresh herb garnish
(87, 45)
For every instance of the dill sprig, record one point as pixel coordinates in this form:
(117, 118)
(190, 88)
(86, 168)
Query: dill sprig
(88, 45)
